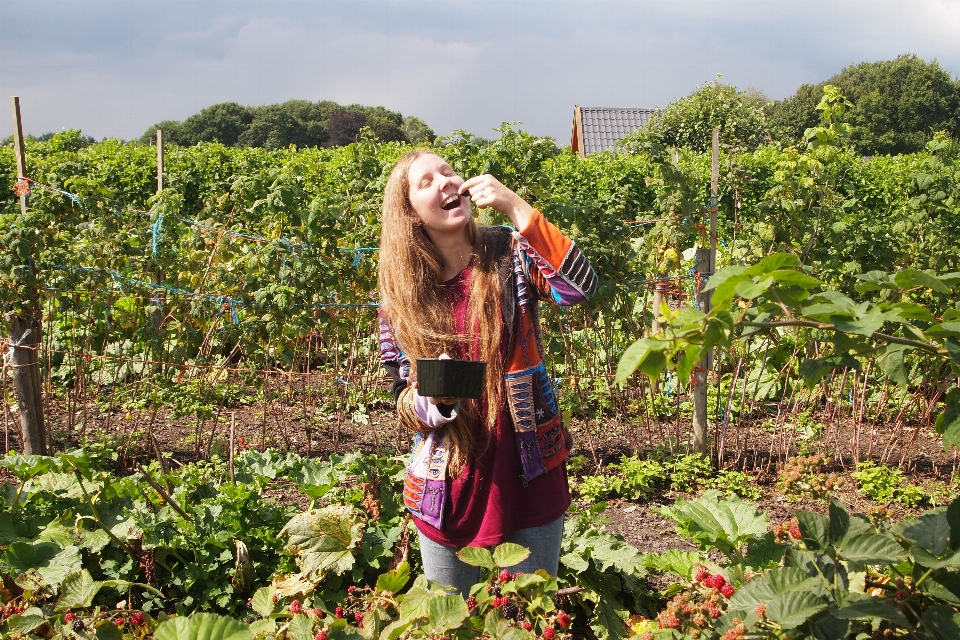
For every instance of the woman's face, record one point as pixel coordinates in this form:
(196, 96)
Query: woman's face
(435, 197)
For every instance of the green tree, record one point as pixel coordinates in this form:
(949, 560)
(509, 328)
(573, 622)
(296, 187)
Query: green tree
(688, 122)
(223, 123)
(898, 105)
(416, 130)
(297, 122)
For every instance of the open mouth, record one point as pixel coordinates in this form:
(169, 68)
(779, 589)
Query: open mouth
(451, 203)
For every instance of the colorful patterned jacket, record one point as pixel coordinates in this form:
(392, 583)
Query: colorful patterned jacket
(539, 263)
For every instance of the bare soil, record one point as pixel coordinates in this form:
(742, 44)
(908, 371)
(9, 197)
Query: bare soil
(141, 435)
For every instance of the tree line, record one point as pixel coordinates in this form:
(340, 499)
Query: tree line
(896, 107)
(297, 122)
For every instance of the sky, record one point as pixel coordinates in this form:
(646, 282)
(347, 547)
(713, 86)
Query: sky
(114, 68)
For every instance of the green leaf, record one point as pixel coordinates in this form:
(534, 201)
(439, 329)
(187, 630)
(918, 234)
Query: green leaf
(477, 557)
(202, 626)
(859, 606)
(873, 548)
(913, 311)
(575, 562)
(300, 628)
(929, 531)
(944, 330)
(910, 278)
(944, 585)
(609, 621)
(815, 369)
(77, 591)
(814, 529)
(843, 525)
(445, 613)
(394, 581)
(948, 422)
(654, 364)
(722, 276)
(943, 622)
(674, 561)
(509, 554)
(25, 622)
(773, 262)
(631, 359)
(795, 279)
(866, 325)
(26, 467)
(727, 290)
(262, 601)
(43, 561)
(688, 362)
(749, 289)
(325, 539)
(953, 348)
(830, 303)
(715, 520)
(891, 361)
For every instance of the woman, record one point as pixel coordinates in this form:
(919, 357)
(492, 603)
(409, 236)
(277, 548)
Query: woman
(488, 471)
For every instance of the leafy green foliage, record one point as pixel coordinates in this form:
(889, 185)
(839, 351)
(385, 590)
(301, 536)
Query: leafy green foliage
(295, 122)
(885, 484)
(689, 121)
(898, 104)
(632, 478)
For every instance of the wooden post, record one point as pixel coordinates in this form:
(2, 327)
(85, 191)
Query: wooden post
(25, 329)
(158, 298)
(159, 160)
(706, 264)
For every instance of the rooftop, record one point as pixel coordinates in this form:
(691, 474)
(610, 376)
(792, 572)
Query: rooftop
(598, 129)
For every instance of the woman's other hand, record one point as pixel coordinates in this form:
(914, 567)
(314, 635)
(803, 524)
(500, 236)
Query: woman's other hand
(487, 191)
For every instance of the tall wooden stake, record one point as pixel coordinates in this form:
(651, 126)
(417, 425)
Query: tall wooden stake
(25, 329)
(159, 298)
(706, 264)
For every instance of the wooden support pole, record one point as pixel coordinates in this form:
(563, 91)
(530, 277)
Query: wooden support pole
(706, 264)
(25, 328)
(160, 167)
(159, 299)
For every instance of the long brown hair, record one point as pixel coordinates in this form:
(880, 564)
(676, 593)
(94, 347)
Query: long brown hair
(410, 279)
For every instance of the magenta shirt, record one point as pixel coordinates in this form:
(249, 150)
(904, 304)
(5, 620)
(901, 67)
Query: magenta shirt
(488, 502)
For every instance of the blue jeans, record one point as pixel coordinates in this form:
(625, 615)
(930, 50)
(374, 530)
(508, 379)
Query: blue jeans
(441, 563)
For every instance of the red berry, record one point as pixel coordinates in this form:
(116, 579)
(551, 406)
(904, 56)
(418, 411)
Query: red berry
(701, 573)
(320, 636)
(351, 589)
(358, 617)
(119, 621)
(670, 622)
(69, 616)
(901, 594)
(727, 590)
(795, 531)
(338, 612)
(318, 613)
(137, 619)
(548, 633)
(527, 626)
(718, 581)
(563, 619)
(761, 610)
(296, 607)
(471, 603)
(504, 575)
(275, 597)
(715, 613)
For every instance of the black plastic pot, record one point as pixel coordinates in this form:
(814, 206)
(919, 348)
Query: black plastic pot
(448, 378)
